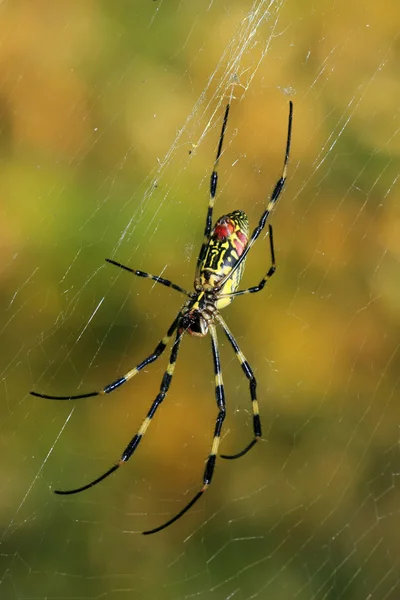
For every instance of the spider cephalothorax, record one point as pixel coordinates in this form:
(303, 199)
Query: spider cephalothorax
(196, 321)
(219, 270)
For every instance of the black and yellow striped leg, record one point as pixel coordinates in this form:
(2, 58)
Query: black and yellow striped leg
(135, 441)
(247, 370)
(273, 200)
(210, 464)
(159, 349)
(155, 278)
(213, 191)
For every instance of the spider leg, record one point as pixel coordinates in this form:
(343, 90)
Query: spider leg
(159, 349)
(253, 385)
(156, 278)
(135, 441)
(210, 464)
(213, 191)
(274, 199)
(268, 275)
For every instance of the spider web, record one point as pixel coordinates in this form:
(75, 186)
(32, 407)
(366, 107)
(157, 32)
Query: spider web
(110, 115)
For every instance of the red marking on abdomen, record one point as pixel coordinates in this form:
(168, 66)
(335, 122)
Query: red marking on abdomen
(240, 243)
(242, 237)
(223, 229)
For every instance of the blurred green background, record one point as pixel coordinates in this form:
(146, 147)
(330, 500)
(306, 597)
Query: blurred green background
(110, 114)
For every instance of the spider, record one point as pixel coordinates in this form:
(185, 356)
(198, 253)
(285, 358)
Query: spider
(219, 270)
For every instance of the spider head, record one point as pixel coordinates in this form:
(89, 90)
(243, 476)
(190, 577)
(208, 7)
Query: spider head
(197, 316)
(193, 323)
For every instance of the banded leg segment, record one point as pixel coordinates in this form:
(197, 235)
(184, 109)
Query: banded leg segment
(158, 350)
(155, 278)
(135, 441)
(247, 370)
(267, 276)
(213, 191)
(274, 198)
(210, 464)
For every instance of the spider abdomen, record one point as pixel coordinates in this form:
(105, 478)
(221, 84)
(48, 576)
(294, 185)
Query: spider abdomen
(227, 243)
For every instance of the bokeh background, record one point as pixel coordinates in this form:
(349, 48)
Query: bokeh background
(109, 118)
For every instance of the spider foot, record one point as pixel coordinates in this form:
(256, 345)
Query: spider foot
(242, 453)
(91, 484)
(180, 513)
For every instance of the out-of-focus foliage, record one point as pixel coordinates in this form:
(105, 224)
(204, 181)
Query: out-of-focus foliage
(109, 120)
